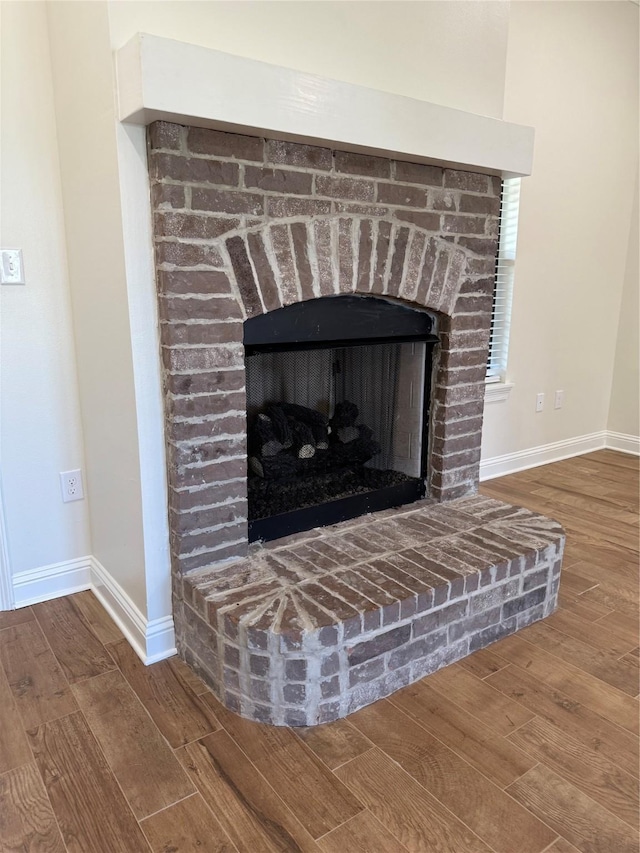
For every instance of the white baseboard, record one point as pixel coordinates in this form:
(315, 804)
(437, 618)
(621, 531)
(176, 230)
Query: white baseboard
(510, 463)
(623, 442)
(51, 581)
(152, 640)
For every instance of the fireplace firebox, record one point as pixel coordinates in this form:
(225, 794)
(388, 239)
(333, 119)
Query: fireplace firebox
(337, 411)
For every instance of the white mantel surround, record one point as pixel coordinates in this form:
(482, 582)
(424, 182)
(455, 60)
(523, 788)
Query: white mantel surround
(159, 78)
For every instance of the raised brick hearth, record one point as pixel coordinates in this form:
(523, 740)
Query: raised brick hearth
(308, 630)
(305, 633)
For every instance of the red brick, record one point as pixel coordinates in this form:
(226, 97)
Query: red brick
(362, 164)
(468, 181)
(479, 204)
(418, 173)
(202, 358)
(470, 409)
(192, 170)
(215, 143)
(294, 154)
(345, 188)
(167, 197)
(164, 134)
(463, 224)
(185, 545)
(441, 200)
(279, 235)
(364, 257)
(471, 304)
(191, 227)
(229, 513)
(301, 251)
(379, 645)
(453, 429)
(285, 206)
(208, 451)
(247, 285)
(179, 334)
(322, 230)
(266, 279)
(479, 245)
(226, 201)
(402, 195)
(345, 255)
(360, 209)
(380, 256)
(202, 383)
(472, 322)
(481, 266)
(428, 267)
(178, 308)
(193, 281)
(428, 221)
(205, 475)
(398, 261)
(477, 285)
(463, 357)
(278, 180)
(190, 499)
(187, 254)
(227, 425)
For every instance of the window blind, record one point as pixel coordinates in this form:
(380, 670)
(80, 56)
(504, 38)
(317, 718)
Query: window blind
(503, 295)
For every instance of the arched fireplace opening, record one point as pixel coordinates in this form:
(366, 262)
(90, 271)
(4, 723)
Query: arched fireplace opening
(338, 401)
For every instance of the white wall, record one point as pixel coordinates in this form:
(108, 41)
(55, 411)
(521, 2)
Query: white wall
(572, 73)
(84, 101)
(451, 53)
(624, 415)
(40, 426)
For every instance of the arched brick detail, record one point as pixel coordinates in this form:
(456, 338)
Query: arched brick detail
(280, 264)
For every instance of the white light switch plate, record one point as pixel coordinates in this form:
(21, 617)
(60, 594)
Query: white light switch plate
(11, 268)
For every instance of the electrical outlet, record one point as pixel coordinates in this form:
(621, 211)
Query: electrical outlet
(539, 402)
(71, 484)
(559, 400)
(11, 269)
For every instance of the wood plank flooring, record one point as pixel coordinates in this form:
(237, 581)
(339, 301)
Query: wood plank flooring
(530, 746)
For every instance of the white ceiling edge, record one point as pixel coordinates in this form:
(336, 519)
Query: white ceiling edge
(160, 78)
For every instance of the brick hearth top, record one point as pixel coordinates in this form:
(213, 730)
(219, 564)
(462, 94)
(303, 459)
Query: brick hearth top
(367, 601)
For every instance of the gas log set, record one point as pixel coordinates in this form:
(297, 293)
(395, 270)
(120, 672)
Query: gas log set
(299, 457)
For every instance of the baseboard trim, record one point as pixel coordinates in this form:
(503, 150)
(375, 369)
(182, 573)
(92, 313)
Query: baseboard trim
(623, 442)
(51, 581)
(152, 640)
(521, 460)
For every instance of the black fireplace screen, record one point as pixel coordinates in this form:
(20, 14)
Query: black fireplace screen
(336, 428)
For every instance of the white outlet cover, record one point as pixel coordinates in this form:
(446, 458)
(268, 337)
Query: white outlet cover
(71, 485)
(11, 266)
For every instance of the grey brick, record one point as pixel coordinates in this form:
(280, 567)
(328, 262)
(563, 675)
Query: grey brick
(535, 579)
(379, 645)
(437, 618)
(523, 602)
(417, 649)
(493, 596)
(366, 671)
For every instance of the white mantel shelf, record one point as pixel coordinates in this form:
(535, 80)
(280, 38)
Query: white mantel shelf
(160, 78)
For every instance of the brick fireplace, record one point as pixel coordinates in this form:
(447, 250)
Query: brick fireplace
(308, 629)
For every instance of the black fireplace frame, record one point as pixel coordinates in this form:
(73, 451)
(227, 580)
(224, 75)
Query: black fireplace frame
(344, 321)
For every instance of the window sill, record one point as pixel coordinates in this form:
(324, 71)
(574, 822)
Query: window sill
(497, 392)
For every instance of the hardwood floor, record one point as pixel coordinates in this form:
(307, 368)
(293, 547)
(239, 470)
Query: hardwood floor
(528, 746)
